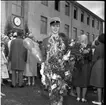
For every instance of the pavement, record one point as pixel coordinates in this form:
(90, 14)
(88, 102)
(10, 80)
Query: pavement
(34, 95)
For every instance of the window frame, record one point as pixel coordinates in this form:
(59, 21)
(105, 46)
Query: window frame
(58, 5)
(21, 7)
(75, 9)
(93, 37)
(93, 22)
(75, 29)
(67, 8)
(66, 27)
(88, 22)
(44, 2)
(42, 20)
(82, 16)
(98, 24)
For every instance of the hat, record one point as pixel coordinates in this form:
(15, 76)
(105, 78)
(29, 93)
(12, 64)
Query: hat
(55, 20)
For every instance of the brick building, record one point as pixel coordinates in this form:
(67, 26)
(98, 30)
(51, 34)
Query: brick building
(75, 18)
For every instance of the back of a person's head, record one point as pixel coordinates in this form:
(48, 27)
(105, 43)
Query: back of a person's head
(101, 38)
(96, 43)
(19, 34)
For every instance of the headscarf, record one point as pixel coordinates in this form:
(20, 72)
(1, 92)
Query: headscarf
(83, 39)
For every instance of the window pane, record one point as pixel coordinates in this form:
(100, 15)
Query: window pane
(18, 10)
(82, 17)
(93, 37)
(74, 33)
(14, 9)
(43, 25)
(67, 9)
(75, 13)
(44, 2)
(97, 24)
(19, 3)
(67, 29)
(57, 5)
(87, 20)
(93, 24)
(15, 2)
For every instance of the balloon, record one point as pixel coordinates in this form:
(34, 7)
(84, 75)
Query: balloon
(36, 52)
(28, 44)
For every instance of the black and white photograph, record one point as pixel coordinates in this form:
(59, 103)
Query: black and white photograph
(52, 52)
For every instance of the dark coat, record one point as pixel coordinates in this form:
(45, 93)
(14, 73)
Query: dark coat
(18, 54)
(81, 74)
(97, 73)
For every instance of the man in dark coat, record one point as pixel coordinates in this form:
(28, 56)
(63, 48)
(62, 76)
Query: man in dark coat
(18, 54)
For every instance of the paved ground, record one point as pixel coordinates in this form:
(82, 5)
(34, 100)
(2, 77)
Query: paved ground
(33, 95)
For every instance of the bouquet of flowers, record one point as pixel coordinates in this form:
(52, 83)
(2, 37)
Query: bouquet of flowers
(80, 51)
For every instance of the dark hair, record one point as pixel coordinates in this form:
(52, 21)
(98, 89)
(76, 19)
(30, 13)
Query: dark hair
(96, 42)
(54, 23)
(101, 38)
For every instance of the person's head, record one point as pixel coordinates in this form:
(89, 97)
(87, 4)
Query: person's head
(55, 25)
(83, 39)
(96, 43)
(20, 33)
(101, 38)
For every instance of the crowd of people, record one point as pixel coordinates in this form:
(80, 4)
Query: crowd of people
(18, 62)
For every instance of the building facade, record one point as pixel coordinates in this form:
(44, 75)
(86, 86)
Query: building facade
(75, 19)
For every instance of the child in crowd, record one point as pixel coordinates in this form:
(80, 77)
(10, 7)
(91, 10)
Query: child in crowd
(4, 71)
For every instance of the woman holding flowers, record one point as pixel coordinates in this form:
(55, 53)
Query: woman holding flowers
(82, 69)
(54, 74)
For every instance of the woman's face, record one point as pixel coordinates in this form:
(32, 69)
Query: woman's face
(55, 28)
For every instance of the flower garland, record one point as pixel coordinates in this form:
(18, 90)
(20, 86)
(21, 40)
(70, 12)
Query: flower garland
(53, 70)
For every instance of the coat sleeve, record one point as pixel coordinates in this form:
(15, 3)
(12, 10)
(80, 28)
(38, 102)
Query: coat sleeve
(43, 50)
(25, 54)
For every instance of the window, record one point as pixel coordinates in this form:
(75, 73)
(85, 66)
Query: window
(45, 2)
(67, 9)
(93, 37)
(75, 13)
(67, 29)
(82, 32)
(57, 5)
(93, 23)
(98, 25)
(88, 37)
(43, 29)
(82, 17)
(88, 20)
(17, 8)
(75, 33)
